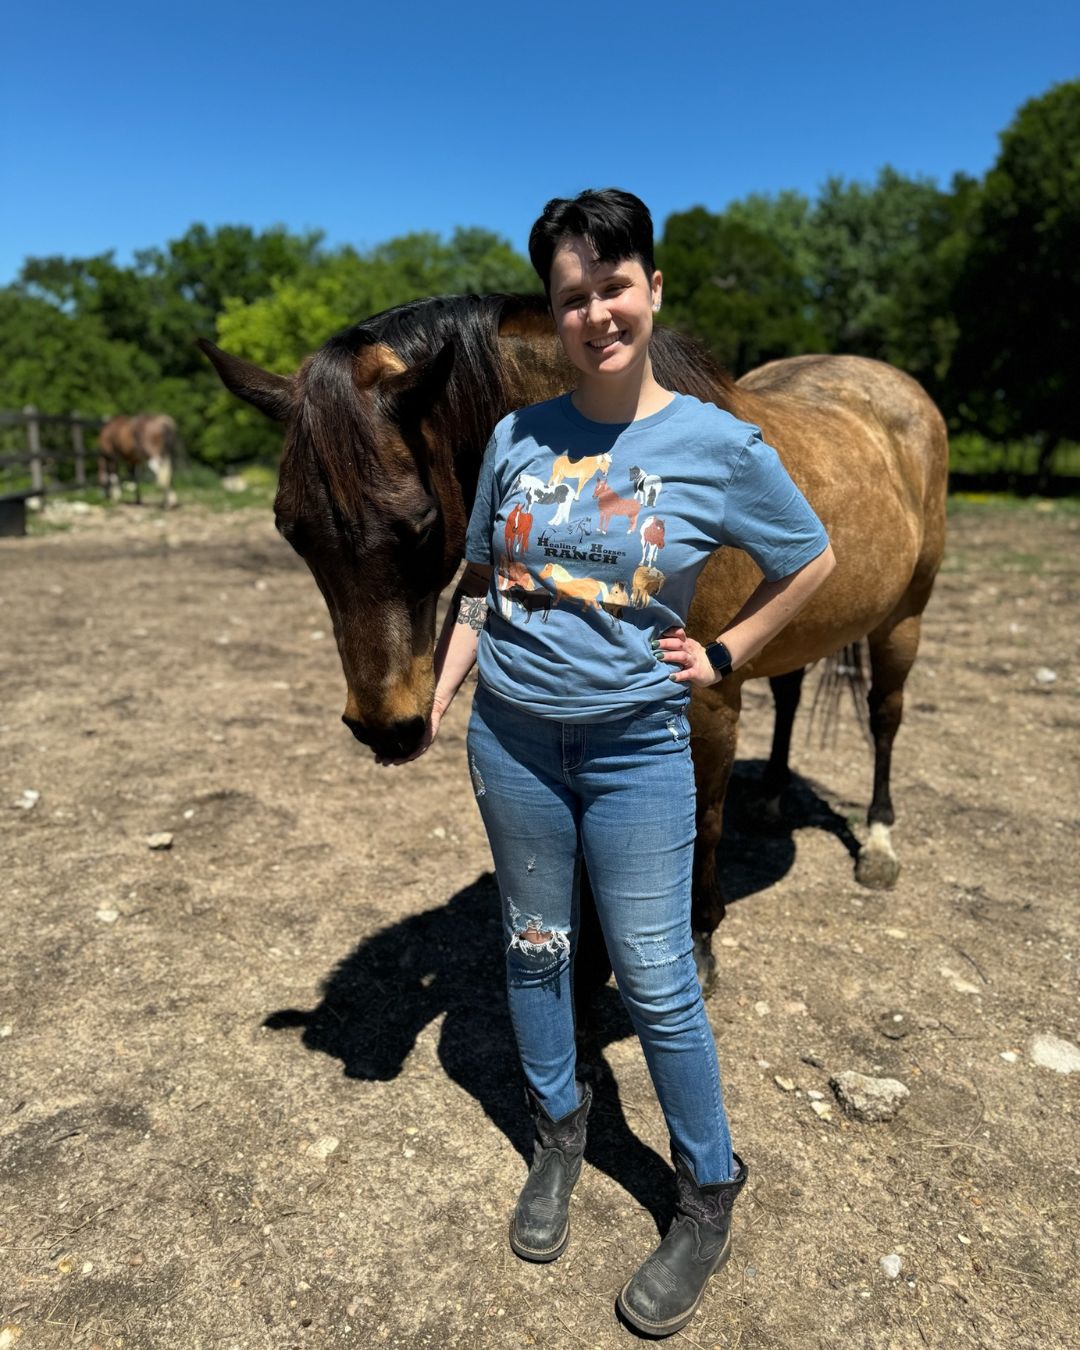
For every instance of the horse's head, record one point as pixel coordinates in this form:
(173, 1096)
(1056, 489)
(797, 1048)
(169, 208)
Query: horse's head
(368, 498)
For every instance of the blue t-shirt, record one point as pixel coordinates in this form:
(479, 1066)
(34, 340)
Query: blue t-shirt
(597, 533)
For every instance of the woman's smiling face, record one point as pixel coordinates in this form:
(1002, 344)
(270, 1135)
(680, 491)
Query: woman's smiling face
(603, 310)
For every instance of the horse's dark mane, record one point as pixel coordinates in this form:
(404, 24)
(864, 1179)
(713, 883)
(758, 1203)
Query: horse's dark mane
(475, 397)
(679, 362)
(334, 421)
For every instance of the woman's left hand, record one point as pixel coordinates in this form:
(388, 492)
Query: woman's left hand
(678, 650)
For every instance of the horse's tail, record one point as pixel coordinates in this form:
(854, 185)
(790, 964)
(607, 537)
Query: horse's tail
(844, 670)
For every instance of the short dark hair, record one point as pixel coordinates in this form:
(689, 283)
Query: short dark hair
(617, 225)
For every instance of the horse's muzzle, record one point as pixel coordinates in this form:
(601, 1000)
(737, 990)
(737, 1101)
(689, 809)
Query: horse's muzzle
(392, 742)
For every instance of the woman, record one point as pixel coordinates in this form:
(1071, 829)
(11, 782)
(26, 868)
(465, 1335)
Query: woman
(594, 514)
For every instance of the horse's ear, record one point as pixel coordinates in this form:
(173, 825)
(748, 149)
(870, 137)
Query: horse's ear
(271, 394)
(417, 387)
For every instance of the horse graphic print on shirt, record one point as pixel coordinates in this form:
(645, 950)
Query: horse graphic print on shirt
(595, 535)
(517, 581)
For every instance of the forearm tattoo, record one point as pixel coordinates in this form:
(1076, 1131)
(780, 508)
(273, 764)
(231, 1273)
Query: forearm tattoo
(472, 610)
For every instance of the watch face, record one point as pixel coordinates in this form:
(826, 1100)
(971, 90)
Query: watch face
(719, 657)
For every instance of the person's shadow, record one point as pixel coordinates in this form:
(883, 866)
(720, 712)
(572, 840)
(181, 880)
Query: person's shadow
(450, 960)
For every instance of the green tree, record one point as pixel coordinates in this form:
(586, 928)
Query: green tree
(278, 329)
(1017, 299)
(735, 288)
(63, 362)
(868, 246)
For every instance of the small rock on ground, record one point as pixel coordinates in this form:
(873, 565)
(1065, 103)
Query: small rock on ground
(868, 1099)
(163, 839)
(1051, 1052)
(890, 1266)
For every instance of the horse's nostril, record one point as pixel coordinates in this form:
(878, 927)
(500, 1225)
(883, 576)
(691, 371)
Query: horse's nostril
(358, 729)
(393, 742)
(408, 733)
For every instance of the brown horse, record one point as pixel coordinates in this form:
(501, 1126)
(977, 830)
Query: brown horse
(385, 426)
(146, 439)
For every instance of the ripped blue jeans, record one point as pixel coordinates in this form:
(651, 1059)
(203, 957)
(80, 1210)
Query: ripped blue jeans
(620, 794)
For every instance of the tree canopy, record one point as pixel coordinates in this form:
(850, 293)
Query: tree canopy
(1017, 296)
(972, 288)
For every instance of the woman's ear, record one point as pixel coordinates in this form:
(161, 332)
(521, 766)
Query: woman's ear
(657, 290)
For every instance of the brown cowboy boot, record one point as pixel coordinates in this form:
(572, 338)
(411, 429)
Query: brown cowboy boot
(540, 1224)
(665, 1292)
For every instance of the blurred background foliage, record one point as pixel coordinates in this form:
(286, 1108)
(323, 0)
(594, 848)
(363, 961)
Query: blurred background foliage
(974, 289)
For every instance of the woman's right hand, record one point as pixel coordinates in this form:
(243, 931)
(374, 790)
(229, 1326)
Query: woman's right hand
(431, 730)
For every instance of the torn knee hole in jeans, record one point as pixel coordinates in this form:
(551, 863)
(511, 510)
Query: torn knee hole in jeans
(532, 938)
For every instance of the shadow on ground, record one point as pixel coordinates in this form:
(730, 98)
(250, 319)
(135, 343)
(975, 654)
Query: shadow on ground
(758, 849)
(448, 960)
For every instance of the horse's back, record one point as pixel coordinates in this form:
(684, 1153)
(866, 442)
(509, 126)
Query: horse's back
(868, 448)
(156, 433)
(834, 414)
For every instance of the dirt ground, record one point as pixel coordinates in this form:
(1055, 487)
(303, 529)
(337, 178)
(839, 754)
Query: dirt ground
(258, 1090)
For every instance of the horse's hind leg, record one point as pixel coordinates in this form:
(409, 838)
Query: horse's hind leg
(714, 725)
(162, 468)
(892, 654)
(786, 692)
(592, 969)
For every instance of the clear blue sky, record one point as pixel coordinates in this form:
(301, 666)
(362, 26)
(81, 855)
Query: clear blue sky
(124, 123)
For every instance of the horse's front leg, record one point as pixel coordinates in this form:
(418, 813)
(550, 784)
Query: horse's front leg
(714, 724)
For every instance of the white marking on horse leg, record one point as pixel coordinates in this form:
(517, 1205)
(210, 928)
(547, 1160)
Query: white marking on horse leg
(704, 962)
(878, 866)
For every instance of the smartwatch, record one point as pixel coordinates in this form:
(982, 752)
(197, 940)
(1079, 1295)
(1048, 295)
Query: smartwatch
(719, 658)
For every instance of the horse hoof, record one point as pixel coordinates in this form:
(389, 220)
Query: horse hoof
(705, 962)
(876, 870)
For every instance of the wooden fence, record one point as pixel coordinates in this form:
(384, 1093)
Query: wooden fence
(43, 462)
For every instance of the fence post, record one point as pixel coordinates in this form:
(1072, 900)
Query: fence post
(79, 448)
(33, 445)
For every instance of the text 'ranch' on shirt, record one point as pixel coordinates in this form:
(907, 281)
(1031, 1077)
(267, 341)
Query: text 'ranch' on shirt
(597, 532)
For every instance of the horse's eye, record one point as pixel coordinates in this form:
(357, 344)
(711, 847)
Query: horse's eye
(420, 525)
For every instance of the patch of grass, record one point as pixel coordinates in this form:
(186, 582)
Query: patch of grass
(971, 453)
(37, 525)
(194, 484)
(993, 503)
(1020, 562)
(251, 485)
